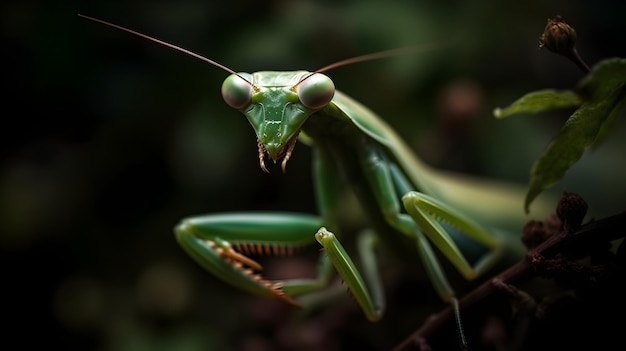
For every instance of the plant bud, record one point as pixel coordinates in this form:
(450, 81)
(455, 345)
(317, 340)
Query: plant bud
(558, 36)
(571, 210)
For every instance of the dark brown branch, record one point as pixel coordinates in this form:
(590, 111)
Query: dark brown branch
(603, 230)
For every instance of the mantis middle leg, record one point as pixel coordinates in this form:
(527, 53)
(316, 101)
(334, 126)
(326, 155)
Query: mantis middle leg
(415, 215)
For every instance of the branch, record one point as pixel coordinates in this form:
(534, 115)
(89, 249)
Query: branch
(603, 230)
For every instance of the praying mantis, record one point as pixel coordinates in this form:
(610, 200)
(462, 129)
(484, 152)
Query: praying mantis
(355, 148)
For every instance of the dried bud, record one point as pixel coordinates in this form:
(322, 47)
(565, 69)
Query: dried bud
(571, 210)
(558, 36)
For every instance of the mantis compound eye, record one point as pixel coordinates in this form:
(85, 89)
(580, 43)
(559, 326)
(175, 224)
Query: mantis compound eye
(237, 92)
(316, 91)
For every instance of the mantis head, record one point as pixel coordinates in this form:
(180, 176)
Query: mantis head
(277, 104)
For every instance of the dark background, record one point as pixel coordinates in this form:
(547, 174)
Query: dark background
(108, 140)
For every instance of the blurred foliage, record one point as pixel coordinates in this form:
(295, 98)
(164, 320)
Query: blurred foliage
(602, 103)
(540, 101)
(109, 140)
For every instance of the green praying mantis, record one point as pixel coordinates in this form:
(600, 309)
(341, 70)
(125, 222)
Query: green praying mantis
(352, 147)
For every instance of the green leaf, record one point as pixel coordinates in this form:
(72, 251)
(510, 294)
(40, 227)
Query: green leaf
(604, 92)
(609, 124)
(540, 101)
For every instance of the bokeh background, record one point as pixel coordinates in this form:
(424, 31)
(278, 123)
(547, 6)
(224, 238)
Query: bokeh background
(109, 140)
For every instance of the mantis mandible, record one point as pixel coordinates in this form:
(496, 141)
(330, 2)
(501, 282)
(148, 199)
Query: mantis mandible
(352, 147)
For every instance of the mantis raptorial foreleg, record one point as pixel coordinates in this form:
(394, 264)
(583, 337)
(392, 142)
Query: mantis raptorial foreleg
(223, 243)
(367, 292)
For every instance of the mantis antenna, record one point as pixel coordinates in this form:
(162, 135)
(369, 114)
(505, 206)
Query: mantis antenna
(373, 56)
(379, 55)
(212, 62)
(345, 62)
